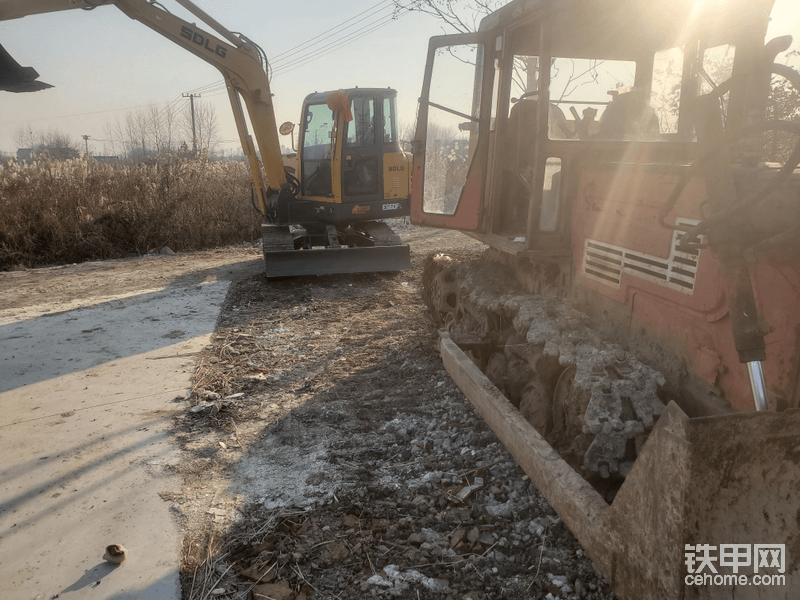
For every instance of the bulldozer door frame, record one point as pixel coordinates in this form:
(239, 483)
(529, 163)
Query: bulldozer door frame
(451, 140)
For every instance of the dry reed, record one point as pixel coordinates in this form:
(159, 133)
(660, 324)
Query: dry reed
(56, 212)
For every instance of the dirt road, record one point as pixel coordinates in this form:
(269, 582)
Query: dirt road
(331, 456)
(93, 356)
(323, 451)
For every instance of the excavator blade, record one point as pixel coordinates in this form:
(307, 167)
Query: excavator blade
(15, 78)
(282, 260)
(722, 487)
(331, 261)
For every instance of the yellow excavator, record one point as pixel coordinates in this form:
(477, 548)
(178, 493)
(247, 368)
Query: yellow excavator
(323, 214)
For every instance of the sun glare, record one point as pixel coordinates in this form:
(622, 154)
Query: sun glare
(785, 19)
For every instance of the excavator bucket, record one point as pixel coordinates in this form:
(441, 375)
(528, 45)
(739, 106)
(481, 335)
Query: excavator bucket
(15, 78)
(708, 511)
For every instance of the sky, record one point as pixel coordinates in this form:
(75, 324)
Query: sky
(104, 64)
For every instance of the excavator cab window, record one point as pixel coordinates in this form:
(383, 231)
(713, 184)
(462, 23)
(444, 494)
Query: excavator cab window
(389, 121)
(316, 167)
(361, 167)
(361, 130)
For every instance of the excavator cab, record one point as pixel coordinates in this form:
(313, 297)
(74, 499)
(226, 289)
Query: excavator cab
(350, 156)
(619, 157)
(368, 135)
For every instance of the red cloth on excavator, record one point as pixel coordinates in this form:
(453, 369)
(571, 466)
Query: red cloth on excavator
(340, 101)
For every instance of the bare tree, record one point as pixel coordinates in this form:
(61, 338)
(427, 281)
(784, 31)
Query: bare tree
(146, 132)
(52, 142)
(206, 126)
(115, 138)
(463, 16)
(408, 132)
(136, 135)
(161, 128)
(59, 144)
(25, 137)
(784, 105)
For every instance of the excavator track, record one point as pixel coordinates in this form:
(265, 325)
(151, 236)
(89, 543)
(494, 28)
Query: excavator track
(380, 233)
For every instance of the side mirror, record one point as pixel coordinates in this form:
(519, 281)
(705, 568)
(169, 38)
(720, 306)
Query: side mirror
(288, 129)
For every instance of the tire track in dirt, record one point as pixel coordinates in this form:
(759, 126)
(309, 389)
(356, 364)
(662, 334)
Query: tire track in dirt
(328, 454)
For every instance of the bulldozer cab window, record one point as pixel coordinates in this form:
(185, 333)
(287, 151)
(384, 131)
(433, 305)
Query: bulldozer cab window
(551, 190)
(590, 98)
(665, 89)
(709, 67)
(717, 68)
(452, 126)
(317, 139)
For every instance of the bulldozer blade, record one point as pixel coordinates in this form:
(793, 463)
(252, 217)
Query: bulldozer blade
(15, 78)
(724, 489)
(330, 261)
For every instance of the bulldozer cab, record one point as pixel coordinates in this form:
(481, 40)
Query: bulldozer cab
(508, 113)
(565, 132)
(623, 155)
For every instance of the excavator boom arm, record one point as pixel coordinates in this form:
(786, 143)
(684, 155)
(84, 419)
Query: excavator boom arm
(237, 59)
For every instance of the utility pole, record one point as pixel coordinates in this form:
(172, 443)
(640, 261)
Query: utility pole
(194, 135)
(86, 139)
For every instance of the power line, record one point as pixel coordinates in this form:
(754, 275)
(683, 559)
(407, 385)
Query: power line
(94, 112)
(291, 64)
(169, 103)
(287, 60)
(284, 65)
(204, 88)
(336, 44)
(316, 38)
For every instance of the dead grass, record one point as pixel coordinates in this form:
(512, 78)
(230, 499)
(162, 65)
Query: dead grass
(56, 212)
